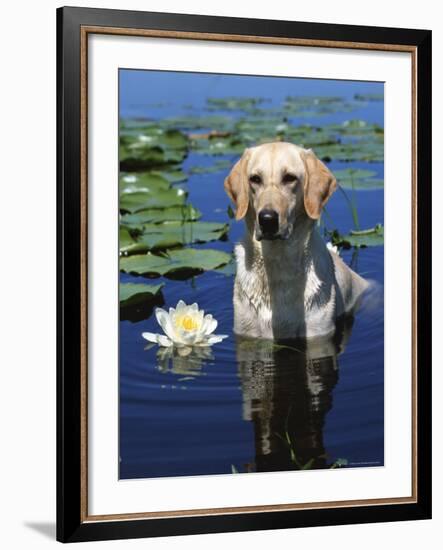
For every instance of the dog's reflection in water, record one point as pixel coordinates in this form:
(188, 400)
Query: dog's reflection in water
(287, 392)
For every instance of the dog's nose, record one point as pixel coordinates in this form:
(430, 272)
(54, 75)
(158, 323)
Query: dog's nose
(268, 220)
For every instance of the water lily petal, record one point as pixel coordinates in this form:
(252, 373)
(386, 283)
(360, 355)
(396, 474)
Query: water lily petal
(164, 341)
(215, 338)
(194, 307)
(189, 337)
(180, 305)
(164, 321)
(209, 324)
(198, 317)
(150, 336)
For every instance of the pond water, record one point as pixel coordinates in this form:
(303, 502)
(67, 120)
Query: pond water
(249, 406)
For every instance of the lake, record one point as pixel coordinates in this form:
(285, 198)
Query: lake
(247, 406)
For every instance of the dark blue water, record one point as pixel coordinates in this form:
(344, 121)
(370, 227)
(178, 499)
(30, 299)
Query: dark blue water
(249, 406)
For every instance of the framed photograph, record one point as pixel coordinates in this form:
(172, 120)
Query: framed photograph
(244, 274)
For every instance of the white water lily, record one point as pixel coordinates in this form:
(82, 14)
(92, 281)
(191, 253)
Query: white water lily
(333, 248)
(185, 327)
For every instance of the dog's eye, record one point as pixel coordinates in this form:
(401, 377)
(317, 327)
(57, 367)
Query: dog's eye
(289, 178)
(255, 178)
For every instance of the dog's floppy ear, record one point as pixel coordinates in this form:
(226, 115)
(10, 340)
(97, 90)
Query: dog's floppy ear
(236, 186)
(318, 186)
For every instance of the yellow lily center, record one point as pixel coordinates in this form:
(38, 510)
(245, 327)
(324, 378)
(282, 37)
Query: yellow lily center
(187, 323)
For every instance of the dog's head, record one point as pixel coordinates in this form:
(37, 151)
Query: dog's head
(275, 183)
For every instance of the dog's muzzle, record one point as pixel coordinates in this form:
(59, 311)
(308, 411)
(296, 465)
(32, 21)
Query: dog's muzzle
(268, 223)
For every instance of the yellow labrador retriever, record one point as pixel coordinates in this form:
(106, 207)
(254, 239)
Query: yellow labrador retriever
(288, 283)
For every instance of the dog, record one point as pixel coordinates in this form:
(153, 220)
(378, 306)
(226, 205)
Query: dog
(288, 283)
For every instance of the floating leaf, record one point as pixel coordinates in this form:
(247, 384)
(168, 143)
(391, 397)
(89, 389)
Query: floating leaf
(351, 152)
(369, 97)
(218, 145)
(358, 179)
(172, 234)
(228, 269)
(173, 176)
(356, 127)
(177, 262)
(183, 213)
(125, 239)
(135, 202)
(144, 182)
(137, 301)
(151, 146)
(217, 166)
(360, 239)
(354, 173)
(233, 103)
(132, 294)
(219, 123)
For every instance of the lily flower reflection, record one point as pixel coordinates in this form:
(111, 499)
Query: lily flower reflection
(183, 361)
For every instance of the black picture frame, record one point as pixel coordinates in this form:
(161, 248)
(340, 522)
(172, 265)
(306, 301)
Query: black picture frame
(71, 523)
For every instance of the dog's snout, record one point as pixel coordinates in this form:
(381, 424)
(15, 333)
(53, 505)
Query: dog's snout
(268, 220)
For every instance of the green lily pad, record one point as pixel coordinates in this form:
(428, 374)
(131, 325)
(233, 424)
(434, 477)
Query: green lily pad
(218, 145)
(153, 136)
(354, 173)
(173, 234)
(186, 261)
(228, 269)
(124, 238)
(142, 200)
(197, 122)
(217, 166)
(132, 294)
(312, 106)
(351, 152)
(173, 176)
(151, 147)
(144, 182)
(356, 126)
(355, 178)
(369, 97)
(233, 103)
(360, 239)
(148, 157)
(183, 213)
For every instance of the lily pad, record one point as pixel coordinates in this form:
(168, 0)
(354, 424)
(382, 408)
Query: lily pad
(173, 234)
(173, 176)
(228, 269)
(369, 97)
(183, 213)
(350, 152)
(373, 236)
(142, 200)
(137, 301)
(213, 122)
(355, 178)
(233, 103)
(124, 238)
(144, 182)
(356, 126)
(151, 147)
(228, 145)
(186, 262)
(135, 293)
(217, 166)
